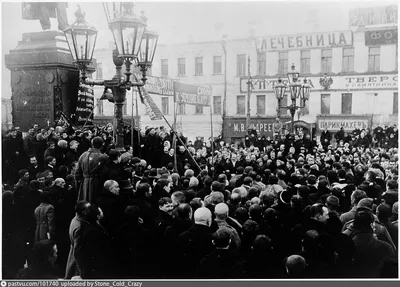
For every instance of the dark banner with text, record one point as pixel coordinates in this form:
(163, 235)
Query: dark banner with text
(85, 105)
(192, 95)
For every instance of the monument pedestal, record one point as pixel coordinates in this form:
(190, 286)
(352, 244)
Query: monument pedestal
(44, 80)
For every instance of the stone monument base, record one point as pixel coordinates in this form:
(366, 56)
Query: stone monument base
(44, 80)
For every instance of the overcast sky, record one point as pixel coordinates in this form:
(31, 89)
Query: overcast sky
(176, 22)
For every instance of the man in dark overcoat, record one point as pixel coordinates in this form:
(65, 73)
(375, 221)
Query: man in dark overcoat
(88, 170)
(75, 262)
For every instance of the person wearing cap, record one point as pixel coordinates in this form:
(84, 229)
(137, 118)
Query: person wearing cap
(391, 195)
(384, 213)
(379, 229)
(112, 168)
(88, 171)
(220, 262)
(356, 196)
(369, 249)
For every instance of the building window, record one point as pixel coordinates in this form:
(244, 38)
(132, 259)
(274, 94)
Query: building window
(347, 101)
(283, 63)
(164, 67)
(326, 61)
(217, 65)
(125, 108)
(181, 109)
(395, 103)
(241, 65)
(165, 105)
(305, 61)
(261, 105)
(217, 105)
(325, 104)
(199, 66)
(199, 110)
(240, 105)
(100, 108)
(374, 57)
(348, 59)
(261, 63)
(99, 71)
(181, 67)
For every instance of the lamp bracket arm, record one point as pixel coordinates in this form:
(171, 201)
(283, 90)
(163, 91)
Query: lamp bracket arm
(91, 82)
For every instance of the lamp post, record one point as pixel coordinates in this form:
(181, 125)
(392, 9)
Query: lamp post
(296, 89)
(135, 44)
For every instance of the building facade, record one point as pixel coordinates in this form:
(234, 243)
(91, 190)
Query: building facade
(353, 74)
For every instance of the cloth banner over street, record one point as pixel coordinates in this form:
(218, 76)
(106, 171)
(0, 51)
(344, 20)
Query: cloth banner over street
(151, 107)
(184, 93)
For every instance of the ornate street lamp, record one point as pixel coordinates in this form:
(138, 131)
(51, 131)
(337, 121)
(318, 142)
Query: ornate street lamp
(305, 90)
(134, 44)
(81, 38)
(293, 75)
(280, 90)
(297, 90)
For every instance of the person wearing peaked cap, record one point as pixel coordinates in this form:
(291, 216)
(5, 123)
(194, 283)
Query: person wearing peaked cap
(355, 198)
(384, 213)
(370, 250)
(366, 204)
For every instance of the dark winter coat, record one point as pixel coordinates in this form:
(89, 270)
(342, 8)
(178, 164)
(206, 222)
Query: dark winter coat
(45, 222)
(87, 174)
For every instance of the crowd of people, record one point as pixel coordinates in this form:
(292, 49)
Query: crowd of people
(293, 206)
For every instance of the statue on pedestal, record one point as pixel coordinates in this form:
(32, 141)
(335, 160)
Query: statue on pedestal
(43, 11)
